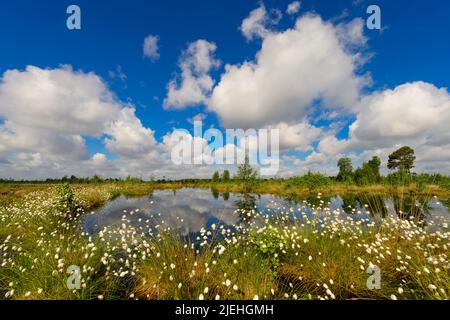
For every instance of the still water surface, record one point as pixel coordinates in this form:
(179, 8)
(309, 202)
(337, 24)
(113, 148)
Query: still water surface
(188, 210)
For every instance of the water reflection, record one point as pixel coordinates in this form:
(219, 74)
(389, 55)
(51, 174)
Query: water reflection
(188, 210)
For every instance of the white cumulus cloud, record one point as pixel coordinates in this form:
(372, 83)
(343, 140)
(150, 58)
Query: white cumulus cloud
(151, 47)
(195, 82)
(293, 7)
(293, 70)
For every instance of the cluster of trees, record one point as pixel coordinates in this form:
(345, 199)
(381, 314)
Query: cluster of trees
(368, 173)
(245, 173)
(224, 177)
(401, 160)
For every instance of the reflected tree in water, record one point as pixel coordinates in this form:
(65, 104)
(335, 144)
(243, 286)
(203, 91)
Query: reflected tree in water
(349, 203)
(215, 193)
(411, 206)
(375, 204)
(246, 204)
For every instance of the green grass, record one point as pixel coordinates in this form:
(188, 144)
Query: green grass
(322, 256)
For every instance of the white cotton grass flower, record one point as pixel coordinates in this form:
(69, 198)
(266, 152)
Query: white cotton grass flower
(217, 297)
(100, 297)
(393, 297)
(235, 287)
(400, 290)
(201, 297)
(9, 294)
(255, 297)
(180, 285)
(431, 287)
(228, 282)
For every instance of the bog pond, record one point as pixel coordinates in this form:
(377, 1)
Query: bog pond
(189, 210)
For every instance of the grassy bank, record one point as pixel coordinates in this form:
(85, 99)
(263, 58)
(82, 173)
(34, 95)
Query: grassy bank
(290, 255)
(10, 192)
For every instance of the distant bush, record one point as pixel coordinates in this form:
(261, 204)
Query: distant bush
(310, 180)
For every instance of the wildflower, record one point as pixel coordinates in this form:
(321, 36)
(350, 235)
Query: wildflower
(172, 266)
(217, 297)
(201, 297)
(179, 285)
(9, 294)
(400, 290)
(100, 297)
(205, 291)
(431, 287)
(393, 297)
(123, 274)
(235, 287)
(227, 282)
(255, 297)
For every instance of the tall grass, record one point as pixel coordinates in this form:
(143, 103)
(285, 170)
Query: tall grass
(287, 253)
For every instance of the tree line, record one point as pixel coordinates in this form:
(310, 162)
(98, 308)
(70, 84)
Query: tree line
(401, 160)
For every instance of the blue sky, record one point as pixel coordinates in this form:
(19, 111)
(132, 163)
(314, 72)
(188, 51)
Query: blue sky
(413, 45)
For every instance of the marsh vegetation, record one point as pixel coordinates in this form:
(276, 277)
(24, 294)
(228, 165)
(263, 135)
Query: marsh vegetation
(296, 248)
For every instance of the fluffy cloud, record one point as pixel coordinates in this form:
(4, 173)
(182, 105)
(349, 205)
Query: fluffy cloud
(259, 21)
(255, 24)
(293, 7)
(293, 70)
(128, 138)
(61, 100)
(297, 136)
(195, 63)
(150, 47)
(415, 112)
(48, 113)
(352, 33)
